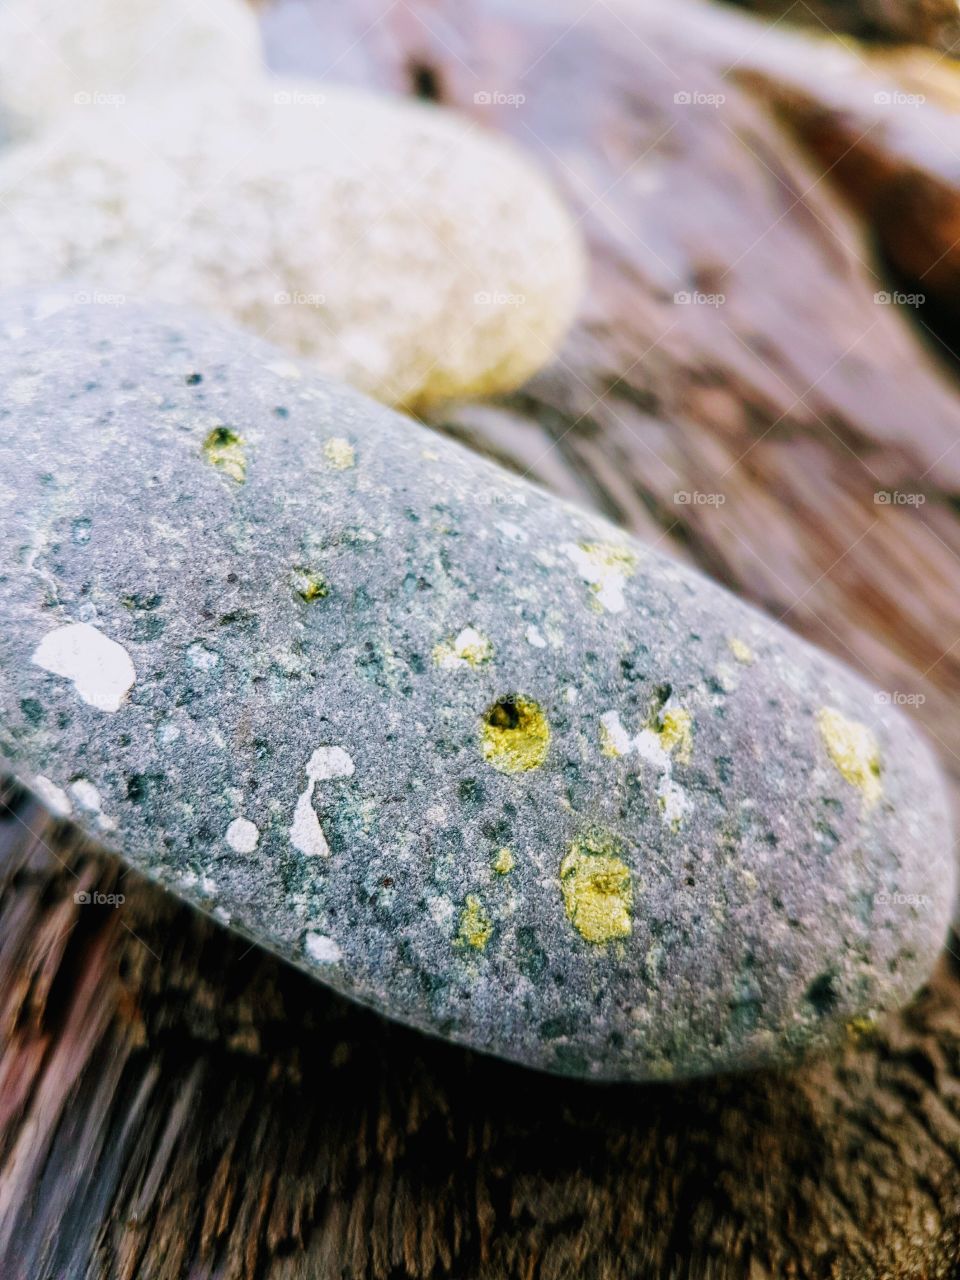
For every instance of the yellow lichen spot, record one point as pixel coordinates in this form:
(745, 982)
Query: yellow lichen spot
(309, 586)
(607, 555)
(514, 735)
(340, 453)
(676, 733)
(224, 449)
(468, 649)
(853, 750)
(861, 1028)
(741, 650)
(504, 862)
(597, 892)
(476, 927)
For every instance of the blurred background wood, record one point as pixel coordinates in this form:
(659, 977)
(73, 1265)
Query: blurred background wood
(933, 22)
(174, 1103)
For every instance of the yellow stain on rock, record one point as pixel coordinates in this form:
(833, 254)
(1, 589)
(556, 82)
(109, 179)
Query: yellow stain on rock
(514, 735)
(854, 751)
(741, 650)
(476, 927)
(504, 862)
(676, 733)
(597, 891)
(468, 649)
(224, 449)
(309, 586)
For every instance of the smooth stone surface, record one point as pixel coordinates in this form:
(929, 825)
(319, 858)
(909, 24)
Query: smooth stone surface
(61, 56)
(466, 754)
(398, 245)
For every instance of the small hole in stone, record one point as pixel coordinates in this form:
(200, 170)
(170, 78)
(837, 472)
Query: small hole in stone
(822, 994)
(221, 436)
(424, 82)
(504, 714)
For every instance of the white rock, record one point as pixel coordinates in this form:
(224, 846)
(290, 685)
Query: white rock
(397, 244)
(74, 56)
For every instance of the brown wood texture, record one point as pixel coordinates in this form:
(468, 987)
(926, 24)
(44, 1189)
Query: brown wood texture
(931, 22)
(176, 1104)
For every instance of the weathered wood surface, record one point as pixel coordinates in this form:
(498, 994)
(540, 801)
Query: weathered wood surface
(933, 22)
(175, 1104)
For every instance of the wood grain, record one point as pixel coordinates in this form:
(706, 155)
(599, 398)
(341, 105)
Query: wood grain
(176, 1104)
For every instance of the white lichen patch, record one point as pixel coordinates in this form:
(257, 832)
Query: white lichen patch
(672, 802)
(51, 796)
(204, 659)
(321, 949)
(669, 739)
(284, 369)
(605, 567)
(100, 669)
(468, 649)
(535, 637)
(243, 835)
(614, 739)
(512, 531)
(339, 453)
(306, 833)
(441, 911)
(87, 797)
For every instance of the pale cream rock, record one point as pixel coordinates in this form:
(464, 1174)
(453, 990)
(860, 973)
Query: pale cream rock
(398, 245)
(85, 56)
(100, 668)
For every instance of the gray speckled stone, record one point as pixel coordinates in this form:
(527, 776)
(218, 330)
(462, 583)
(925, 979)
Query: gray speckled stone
(466, 754)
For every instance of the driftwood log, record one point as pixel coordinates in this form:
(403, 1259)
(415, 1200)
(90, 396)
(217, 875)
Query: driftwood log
(176, 1105)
